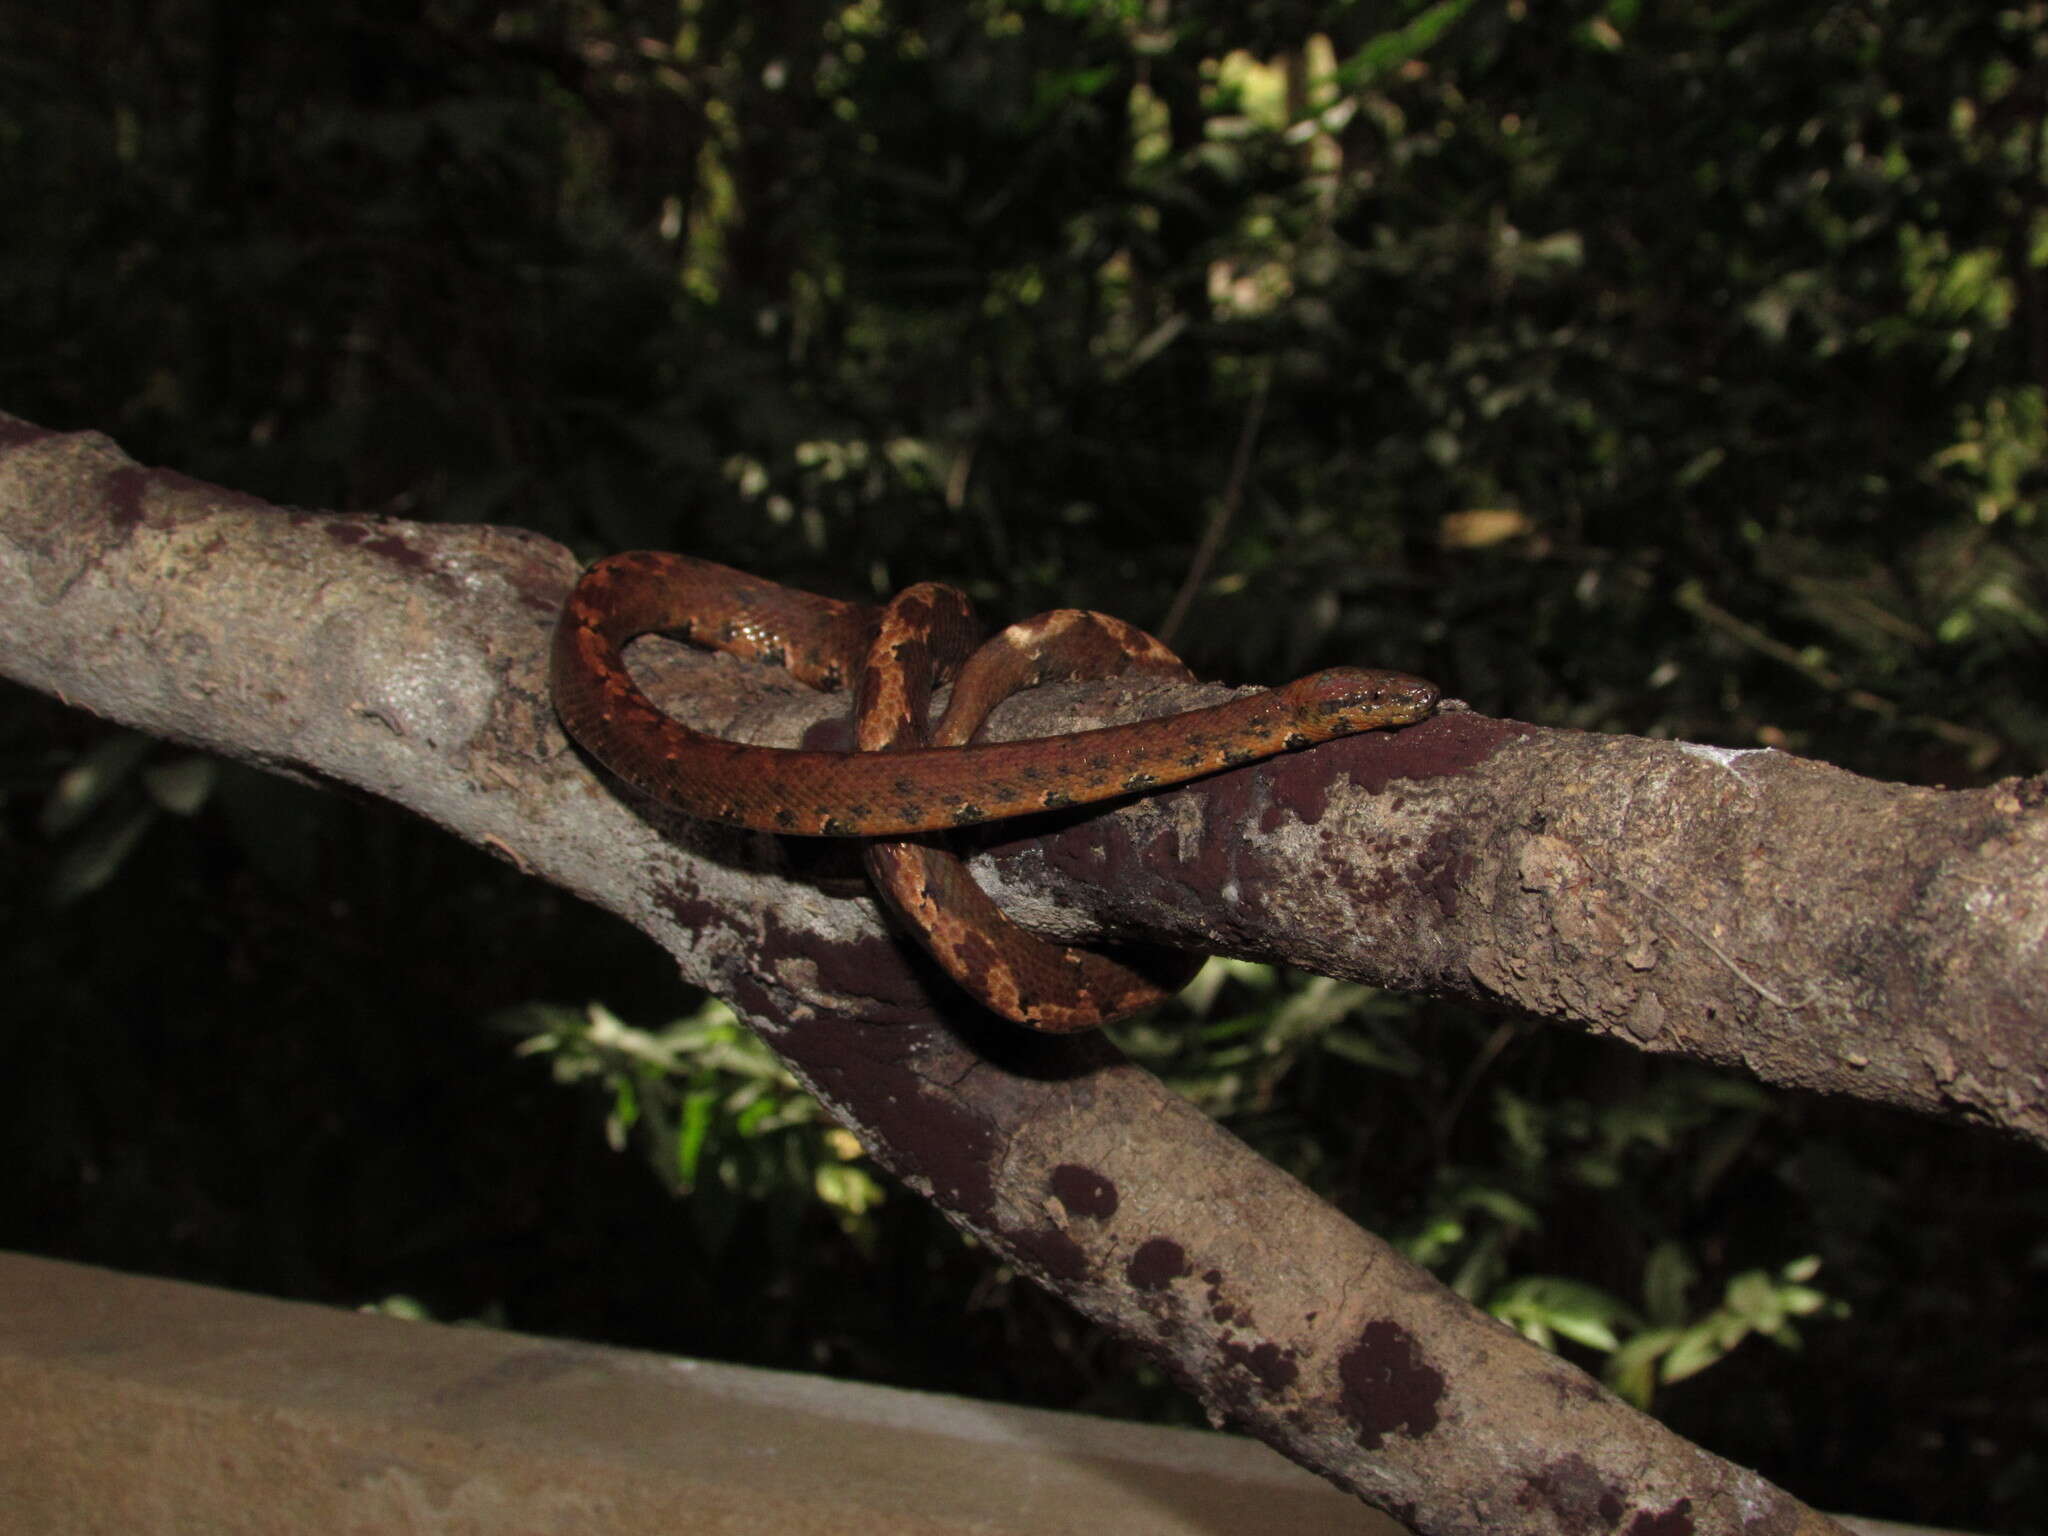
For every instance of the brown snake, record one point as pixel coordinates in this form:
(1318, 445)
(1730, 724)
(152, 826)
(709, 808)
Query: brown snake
(908, 777)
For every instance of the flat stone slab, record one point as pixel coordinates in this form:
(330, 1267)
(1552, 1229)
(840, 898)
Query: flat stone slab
(130, 1404)
(134, 1405)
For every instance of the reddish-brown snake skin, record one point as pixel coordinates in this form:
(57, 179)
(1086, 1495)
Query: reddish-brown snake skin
(890, 789)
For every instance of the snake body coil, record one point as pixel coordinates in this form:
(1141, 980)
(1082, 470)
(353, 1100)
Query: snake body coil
(910, 778)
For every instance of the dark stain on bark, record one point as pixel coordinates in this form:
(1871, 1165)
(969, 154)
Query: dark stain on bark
(1675, 1521)
(126, 494)
(1269, 1364)
(1084, 1192)
(919, 1131)
(688, 909)
(872, 979)
(1444, 867)
(1300, 784)
(1057, 1255)
(368, 537)
(1388, 1385)
(1219, 859)
(1158, 1262)
(1227, 1313)
(1440, 746)
(1089, 847)
(857, 1030)
(1575, 1492)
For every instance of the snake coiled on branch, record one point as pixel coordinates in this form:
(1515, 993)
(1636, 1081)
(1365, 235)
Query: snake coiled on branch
(908, 777)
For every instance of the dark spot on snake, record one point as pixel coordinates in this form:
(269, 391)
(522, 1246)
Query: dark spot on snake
(1141, 781)
(785, 817)
(1295, 741)
(1388, 1385)
(1099, 764)
(1055, 800)
(977, 953)
(967, 814)
(1236, 756)
(832, 826)
(1084, 1192)
(1158, 1262)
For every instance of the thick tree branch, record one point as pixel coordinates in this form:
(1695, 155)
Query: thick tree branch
(408, 660)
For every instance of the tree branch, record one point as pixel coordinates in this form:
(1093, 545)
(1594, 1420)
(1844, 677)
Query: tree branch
(1466, 856)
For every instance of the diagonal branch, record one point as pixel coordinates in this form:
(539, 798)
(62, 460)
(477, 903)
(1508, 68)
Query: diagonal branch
(1499, 862)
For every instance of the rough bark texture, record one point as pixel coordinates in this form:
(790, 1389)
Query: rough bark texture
(1739, 907)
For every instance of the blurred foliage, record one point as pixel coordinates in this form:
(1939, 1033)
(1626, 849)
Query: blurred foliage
(1676, 370)
(723, 1120)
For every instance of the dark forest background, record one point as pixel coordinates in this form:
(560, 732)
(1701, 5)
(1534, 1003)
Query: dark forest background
(1676, 370)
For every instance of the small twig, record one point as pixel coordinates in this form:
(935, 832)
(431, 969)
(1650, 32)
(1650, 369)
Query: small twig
(1716, 950)
(1982, 746)
(1226, 509)
(1503, 1034)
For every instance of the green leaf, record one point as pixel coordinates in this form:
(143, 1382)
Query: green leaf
(1632, 1369)
(1582, 1313)
(1753, 1296)
(1668, 1275)
(692, 1131)
(85, 785)
(1522, 1122)
(1390, 50)
(1695, 1350)
(183, 785)
(94, 859)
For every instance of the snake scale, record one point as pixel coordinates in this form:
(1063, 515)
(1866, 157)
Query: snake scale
(909, 777)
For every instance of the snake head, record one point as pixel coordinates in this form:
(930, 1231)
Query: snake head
(1344, 700)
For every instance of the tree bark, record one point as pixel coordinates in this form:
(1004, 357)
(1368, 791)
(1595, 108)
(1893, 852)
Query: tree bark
(1740, 907)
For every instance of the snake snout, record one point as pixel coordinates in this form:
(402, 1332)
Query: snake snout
(1345, 699)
